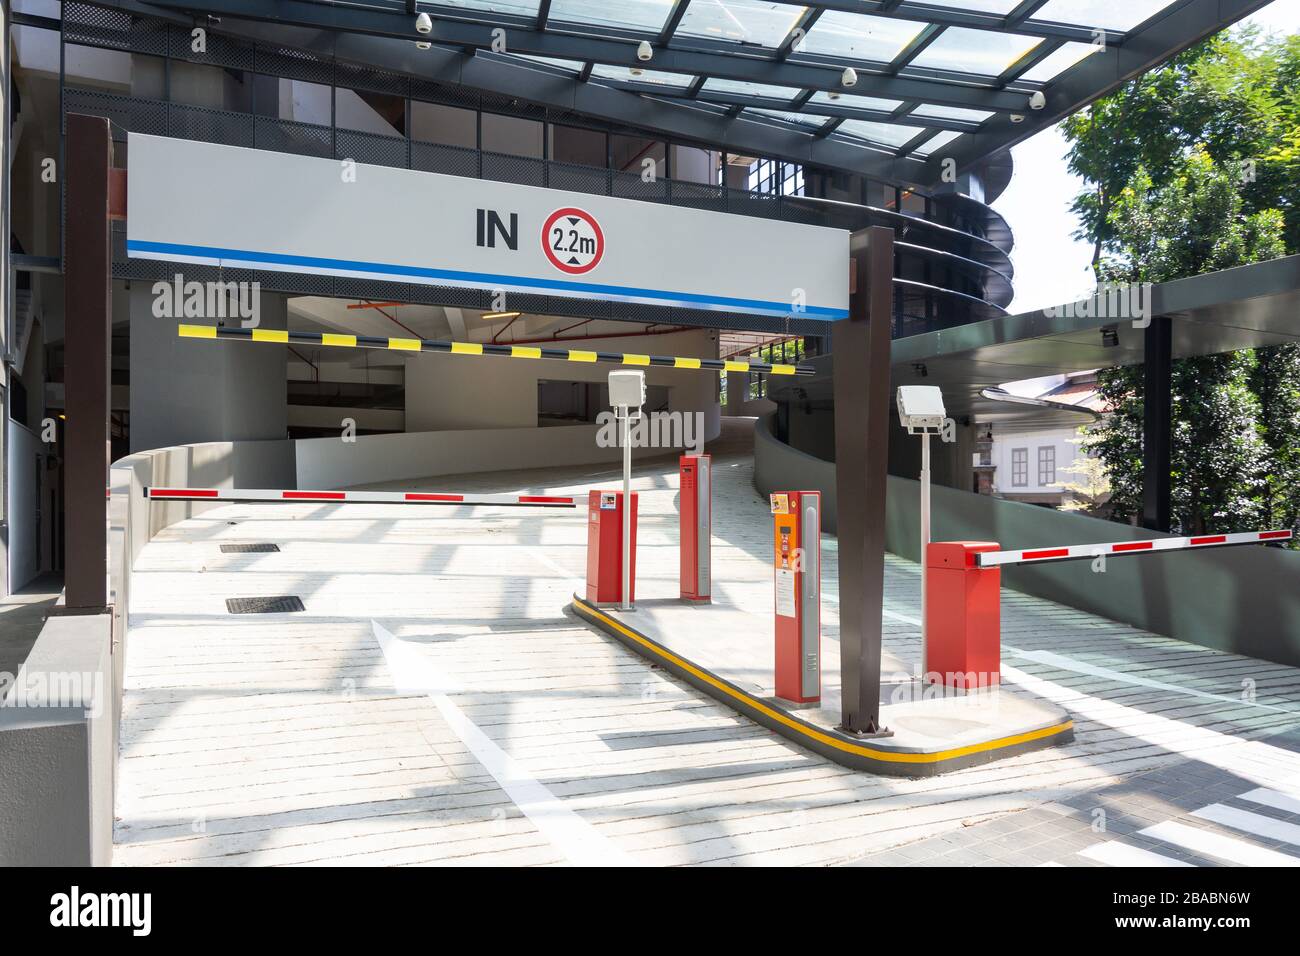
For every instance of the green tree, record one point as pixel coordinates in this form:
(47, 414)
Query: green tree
(1196, 222)
(1191, 168)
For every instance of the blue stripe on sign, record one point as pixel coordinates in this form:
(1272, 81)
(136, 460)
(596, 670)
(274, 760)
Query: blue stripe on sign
(485, 279)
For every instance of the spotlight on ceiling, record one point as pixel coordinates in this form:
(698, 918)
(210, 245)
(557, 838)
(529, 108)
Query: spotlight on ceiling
(423, 23)
(1038, 100)
(644, 51)
(849, 77)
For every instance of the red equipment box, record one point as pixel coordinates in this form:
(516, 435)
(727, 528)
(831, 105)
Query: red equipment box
(696, 511)
(963, 615)
(796, 539)
(605, 547)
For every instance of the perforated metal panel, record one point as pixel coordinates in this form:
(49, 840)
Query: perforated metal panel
(293, 64)
(450, 160)
(582, 179)
(502, 168)
(126, 114)
(280, 604)
(371, 148)
(216, 49)
(114, 29)
(287, 136)
(210, 126)
(364, 78)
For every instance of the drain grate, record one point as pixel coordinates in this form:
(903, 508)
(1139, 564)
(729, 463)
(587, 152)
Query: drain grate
(280, 604)
(259, 548)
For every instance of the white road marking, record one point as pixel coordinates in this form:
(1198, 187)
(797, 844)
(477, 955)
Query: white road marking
(1254, 760)
(1255, 823)
(906, 619)
(1114, 853)
(570, 581)
(1061, 662)
(1213, 844)
(577, 839)
(1274, 799)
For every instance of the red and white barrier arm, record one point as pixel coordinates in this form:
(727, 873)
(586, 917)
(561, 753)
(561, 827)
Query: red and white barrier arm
(989, 559)
(356, 497)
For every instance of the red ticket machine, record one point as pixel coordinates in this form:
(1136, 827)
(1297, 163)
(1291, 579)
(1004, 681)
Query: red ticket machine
(605, 547)
(696, 510)
(796, 521)
(963, 615)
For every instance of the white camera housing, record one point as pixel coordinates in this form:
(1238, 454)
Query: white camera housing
(423, 23)
(627, 389)
(644, 51)
(920, 409)
(1017, 117)
(849, 77)
(1038, 100)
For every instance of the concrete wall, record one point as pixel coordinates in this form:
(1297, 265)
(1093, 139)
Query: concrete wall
(1244, 600)
(445, 392)
(186, 391)
(373, 459)
(57, 758)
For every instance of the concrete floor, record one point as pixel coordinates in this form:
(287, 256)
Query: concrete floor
(22, 614)
(435, 703)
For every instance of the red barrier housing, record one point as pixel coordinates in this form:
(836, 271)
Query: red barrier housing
(696, 515)
(605, 547)
(963, 616)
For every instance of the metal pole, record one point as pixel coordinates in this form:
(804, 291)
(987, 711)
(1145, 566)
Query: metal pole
(1157, 424)
(860, 357)
(88, 350)
(626, 602)
(925, 540)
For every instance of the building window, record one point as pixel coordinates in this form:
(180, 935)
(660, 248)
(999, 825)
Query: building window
(1019, 467)
(1047, 465)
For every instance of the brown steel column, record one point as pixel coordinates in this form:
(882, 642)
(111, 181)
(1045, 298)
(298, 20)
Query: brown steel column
(860, 371)
(87, 348)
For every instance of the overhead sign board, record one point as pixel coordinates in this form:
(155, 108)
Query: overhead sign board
(256, 209)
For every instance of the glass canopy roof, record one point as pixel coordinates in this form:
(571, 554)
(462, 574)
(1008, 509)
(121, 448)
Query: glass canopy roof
(909, 77)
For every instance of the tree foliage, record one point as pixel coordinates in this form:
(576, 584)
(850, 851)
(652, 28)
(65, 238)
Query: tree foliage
(1189, 169)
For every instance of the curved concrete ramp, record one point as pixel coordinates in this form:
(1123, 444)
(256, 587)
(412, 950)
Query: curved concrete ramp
(289, 738)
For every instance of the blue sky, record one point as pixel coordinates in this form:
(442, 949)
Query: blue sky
(1051, 268)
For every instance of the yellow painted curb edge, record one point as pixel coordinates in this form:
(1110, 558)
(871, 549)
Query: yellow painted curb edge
(839, 747)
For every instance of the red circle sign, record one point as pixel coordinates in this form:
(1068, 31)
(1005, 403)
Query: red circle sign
(572, 240)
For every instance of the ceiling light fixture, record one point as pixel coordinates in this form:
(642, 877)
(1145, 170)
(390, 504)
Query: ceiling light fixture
(491, 316)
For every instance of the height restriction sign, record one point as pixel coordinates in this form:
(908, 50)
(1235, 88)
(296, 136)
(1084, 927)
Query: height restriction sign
(573, 240)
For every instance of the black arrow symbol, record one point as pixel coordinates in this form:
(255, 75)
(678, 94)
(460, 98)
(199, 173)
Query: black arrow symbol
(573, 220)
(573, 260)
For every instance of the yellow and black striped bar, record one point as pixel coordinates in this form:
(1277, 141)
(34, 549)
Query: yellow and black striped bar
(483, 348)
